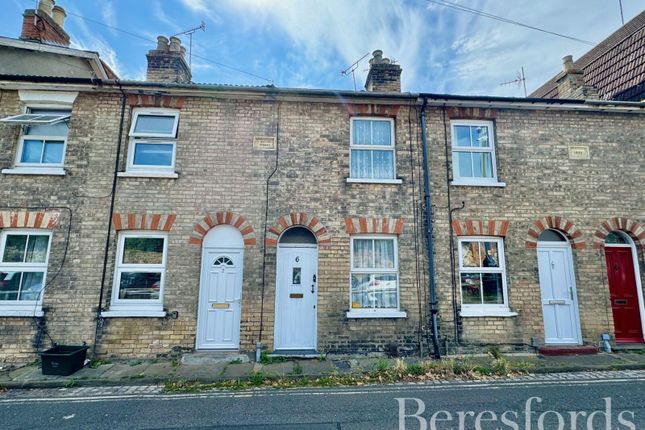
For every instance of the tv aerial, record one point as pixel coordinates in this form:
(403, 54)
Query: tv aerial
(352, 68)
(520, 79)
(202, 27)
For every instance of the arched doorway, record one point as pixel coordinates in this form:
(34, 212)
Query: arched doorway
(220, 291)
(624, 287)
(558, 289)
(296, 291)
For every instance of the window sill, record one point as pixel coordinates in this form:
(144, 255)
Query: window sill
(374, 181)
(148, 175)
(133, 313)
(376, 314)
(50, 171)
(22, 313)
(462, 183)
(474, 313)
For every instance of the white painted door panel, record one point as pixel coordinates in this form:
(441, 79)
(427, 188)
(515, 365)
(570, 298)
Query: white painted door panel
(218, 325)
(296, 293)
(559, 305)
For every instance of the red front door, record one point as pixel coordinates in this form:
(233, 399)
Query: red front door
(624, 295)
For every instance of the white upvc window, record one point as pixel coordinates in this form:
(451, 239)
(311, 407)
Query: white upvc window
(372, 155)
(482, 277)
(139, 275)
(153, 141)
(43, 139)
(374, 278)
(24, 256)
(473, 153)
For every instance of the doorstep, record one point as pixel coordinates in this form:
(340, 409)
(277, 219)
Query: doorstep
(629, 346)
(559, 350)
(199, 358)
(295, 353)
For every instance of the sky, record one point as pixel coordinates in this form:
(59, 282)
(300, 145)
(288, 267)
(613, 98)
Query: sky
(307, 43)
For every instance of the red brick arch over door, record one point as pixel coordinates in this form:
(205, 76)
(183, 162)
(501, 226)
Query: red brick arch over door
(218, 218)
(298, 219)
(631, 227)
(563, 225)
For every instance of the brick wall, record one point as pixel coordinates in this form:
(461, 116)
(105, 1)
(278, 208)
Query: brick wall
(544, 188)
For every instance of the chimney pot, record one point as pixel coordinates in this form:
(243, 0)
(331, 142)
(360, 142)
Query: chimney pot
(567, 63)
(59, 15)
(383, 75)
(175, 44)
(46, 6)
(162, 43)
(167, 62)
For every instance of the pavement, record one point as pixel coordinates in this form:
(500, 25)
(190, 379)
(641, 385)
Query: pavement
(591, 399)
(201, 368)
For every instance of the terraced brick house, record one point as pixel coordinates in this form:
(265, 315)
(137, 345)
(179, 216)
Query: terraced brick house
(146, 218)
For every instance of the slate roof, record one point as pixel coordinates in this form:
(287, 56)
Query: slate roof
(616, 66)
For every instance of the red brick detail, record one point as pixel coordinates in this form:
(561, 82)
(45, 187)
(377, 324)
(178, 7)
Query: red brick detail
(195, 240)
(37, 25)
(626, 225)
(29, 219)
(116, 220)
(131, 222)
(471, 113)
(211, 220)
(148, 100)
(349, 226)
(504, 228)
(480, 227)
(362, 222)
(313, 222)
(564, 226)
(154, 223)
(38, 221)
(530, 245)
(372, 110)
(14, 219)
(385, 225)
(199, 229)
(398, 228)
(134, 221)
(296, 219)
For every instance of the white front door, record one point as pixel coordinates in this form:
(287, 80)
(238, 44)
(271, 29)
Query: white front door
(558, 290)
(218, 322)
(295, 301)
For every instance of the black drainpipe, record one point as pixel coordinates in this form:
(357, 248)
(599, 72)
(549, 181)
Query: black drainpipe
(99, 319)
(429, 243)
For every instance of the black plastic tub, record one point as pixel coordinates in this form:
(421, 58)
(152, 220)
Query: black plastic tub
(63, 359)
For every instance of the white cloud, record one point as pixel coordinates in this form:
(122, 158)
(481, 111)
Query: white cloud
(109, 14)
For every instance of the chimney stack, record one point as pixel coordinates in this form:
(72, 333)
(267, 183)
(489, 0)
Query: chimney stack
(167, 62)
(383, 75)
(45, 24)
(571, 84)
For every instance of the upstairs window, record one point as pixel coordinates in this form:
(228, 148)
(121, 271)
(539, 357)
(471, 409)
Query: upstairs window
(372, 157)
(473, 153)
(153, 138)
(44, 137)
(24, 257)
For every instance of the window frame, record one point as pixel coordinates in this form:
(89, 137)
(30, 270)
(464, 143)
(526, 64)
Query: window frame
(482, 309)
(391, 147)
(492, 149)
(375, 312)
(137, 307)
(26, 308)
(136, 138)
(44, 138)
